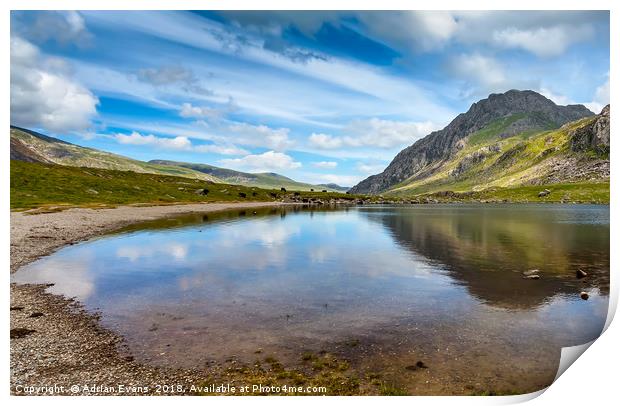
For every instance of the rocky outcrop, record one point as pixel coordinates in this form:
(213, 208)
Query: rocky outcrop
(474, 158)
(440, 145)
(594, 136)
(21, 152)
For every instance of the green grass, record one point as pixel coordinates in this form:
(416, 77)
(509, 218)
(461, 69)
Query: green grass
(35, 185)
(584, 192)
(493, 129)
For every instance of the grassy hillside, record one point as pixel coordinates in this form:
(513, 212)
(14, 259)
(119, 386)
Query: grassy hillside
(49, 185)
(266, 180)
(579, 192)
(64, 153)
(31, 146)
(489, 160)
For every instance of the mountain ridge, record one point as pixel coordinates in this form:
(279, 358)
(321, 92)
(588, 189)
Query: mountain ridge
(30, 146)
(261, 179)
(497, 117)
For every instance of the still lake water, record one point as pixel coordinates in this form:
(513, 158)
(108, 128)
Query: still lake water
(380, 286)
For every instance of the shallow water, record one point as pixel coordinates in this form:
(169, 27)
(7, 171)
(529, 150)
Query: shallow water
(380, 286)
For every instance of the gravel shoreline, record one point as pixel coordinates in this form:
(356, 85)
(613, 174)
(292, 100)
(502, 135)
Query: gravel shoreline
(54, 341)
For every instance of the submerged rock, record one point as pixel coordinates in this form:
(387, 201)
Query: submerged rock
(581, 274)
(584, 296)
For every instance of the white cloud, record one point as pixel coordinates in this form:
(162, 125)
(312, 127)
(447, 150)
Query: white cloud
(600, 100)
(179, 143)
(190, 111)
(325, 164)
(601, 97)
(542, 41)
(265, 162)
(483, 74)
(374, 133)
(557, 98)
(135, 138)
(325, 141)
(542, 33)
(221, 149)
(480, 70)
(386, 133)
(42, 93)
(424, 30)
(261, 136)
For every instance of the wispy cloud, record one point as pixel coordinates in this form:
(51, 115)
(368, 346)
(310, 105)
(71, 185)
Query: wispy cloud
(373, 133)
(325, 164)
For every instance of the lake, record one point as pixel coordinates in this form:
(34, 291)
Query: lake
(380, 286)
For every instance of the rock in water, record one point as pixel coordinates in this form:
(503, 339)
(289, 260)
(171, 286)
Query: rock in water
(581, 274)
(531, 272)
(532, 277)
(584, 295)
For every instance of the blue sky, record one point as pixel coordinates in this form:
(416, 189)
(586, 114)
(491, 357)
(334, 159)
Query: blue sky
(316, 96)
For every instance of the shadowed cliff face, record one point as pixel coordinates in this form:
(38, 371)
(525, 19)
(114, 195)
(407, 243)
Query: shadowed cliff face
(594, 136)
(487, 249)
(540, 114)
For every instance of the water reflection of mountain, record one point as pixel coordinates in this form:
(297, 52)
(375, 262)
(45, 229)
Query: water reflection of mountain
(487, 249)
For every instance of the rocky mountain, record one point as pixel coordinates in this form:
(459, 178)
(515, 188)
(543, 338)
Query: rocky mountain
(31, 146)
(495, 130)
(594, 135)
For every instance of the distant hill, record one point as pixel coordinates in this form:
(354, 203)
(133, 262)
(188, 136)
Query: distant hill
(513, 139)
(31, 146)
(334, 186)
(266, 180)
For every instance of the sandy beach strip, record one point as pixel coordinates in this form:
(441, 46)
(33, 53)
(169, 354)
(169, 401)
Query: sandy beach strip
(61, 344)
